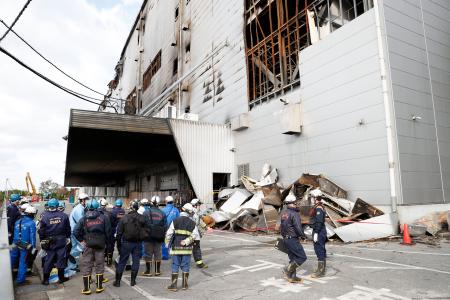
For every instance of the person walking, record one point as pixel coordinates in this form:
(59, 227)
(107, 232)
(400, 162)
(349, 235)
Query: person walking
(54, 233)
(23, 243)
(157, 223)
(179, 239)
(93, 231)
(130, 234)
(319, 233)
(201, 226)
(291, 231)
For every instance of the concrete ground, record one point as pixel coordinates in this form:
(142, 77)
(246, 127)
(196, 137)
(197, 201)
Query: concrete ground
(242, 266)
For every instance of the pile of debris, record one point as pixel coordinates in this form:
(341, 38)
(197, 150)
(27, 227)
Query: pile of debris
(256, 207)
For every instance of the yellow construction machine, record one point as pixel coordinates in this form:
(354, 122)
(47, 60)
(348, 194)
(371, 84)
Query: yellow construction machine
(32, 191)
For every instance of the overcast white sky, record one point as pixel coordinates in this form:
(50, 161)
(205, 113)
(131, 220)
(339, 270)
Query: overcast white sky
(84, 38)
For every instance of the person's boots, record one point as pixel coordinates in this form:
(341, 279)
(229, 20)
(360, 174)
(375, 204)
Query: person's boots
(133, 278)
(184, 284)
(87, 285)
(201, 265)
(45, 279)
(148, 269)
(173, 286)
(118, 278)
(61, 277)
(100, 287)
(292, 273)
(157, 268)
(320, 270)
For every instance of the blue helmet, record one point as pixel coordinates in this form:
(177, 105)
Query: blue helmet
(119, 202)
(15, 197)
(53, 203)
(92, 204)
(61, 205)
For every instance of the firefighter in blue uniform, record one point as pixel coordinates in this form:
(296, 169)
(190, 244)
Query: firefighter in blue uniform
(54, 233)
(292, 231)
(117, 213)
(13, 214)
(24, 242)
(129, 240)
(93, 231)
(319, 233)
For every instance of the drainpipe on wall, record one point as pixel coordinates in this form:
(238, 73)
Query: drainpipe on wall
(387, 109)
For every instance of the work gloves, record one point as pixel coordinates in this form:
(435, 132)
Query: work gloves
(315, 237)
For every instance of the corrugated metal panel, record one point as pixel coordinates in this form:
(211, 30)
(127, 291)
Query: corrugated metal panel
(111, 121)
(205, 149)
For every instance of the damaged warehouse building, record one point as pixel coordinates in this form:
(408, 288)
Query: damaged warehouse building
(355, 90)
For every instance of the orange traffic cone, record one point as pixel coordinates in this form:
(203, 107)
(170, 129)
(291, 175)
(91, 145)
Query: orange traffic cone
(406, 238)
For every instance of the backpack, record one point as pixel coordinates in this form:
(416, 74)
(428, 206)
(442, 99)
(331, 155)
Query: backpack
(133, 229)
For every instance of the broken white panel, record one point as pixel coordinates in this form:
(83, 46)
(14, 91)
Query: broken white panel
(308, 231)
(220, 216)
(373, 228)
(225, 193)
(204, 149)
(255, 203)
(271, 178)
(235, 201)
(347, 204)
(313, 33)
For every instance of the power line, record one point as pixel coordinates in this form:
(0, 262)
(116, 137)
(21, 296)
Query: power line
(15, 20)
(56, 67)
(67, 90)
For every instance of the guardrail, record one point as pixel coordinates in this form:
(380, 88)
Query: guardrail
(6, 282)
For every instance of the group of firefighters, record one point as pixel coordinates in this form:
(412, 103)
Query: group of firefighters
(92, 231)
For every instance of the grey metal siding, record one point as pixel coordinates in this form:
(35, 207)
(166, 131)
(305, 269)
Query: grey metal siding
(417, 47)
(340, 86)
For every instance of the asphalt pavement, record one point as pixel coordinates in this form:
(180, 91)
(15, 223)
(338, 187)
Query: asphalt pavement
(243, 266)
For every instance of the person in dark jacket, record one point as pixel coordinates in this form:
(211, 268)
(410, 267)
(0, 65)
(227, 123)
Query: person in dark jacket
(180, 238)
(117, 213)
(130, 235)
(152, 253)
(93, 231)
(13, 214)
(54, 233)
(291, 231)
(109, 249)
(319, 233)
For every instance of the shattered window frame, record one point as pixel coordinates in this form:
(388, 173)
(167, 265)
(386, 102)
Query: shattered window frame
(151, 71)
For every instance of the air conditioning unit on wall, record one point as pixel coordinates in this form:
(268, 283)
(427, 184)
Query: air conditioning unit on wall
(291, 119)
(171, 112)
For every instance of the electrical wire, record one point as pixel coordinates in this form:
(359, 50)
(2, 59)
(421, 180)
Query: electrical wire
(67, 90)
(56, 67)
(15, 20)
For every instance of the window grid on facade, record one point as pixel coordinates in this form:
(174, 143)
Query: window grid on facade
(152, 69)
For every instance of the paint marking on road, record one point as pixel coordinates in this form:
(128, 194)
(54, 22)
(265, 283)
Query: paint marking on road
(137, 289)
(392, 263)
(283, 285)
(245, 234)
(238, 239)
(147, 277)
(263, 265)
(383, 268)
(361, 292)
(392, 250)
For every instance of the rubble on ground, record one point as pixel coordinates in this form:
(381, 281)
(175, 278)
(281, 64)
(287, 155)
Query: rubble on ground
(256, 206)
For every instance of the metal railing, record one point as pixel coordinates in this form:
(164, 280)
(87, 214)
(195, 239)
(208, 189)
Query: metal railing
(6, 284)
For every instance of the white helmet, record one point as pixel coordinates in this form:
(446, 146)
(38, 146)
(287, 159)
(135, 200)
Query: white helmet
(316, 193)
(144, 201)
(188, 208)
(156, 199)
(83, 196)
(31, 210)
(103, 202)
(195, 201)
(169, 199)
(290, 199)
(24, 206)
(141, 210)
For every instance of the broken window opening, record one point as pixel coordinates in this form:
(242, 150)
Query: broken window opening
(276, 32)
(130, 104)
(152, 69)
(175, 67)
(177, 12)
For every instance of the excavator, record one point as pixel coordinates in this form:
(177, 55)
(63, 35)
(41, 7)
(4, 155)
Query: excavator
(32, 191)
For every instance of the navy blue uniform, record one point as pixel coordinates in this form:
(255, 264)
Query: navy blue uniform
(291, 230)
(55, 226)
(13, 214)
(318, 226)
(129, 240)
(110, 240)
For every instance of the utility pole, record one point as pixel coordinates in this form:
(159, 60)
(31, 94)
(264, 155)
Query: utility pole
(5, 196)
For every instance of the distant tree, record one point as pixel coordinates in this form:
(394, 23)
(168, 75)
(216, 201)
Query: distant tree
(51, 188)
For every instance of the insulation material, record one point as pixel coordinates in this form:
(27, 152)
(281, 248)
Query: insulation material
(434, 222)
(220, 216)
(373, 228)
(249, 184)
(235, 201)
